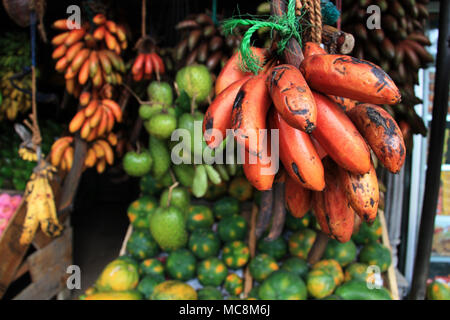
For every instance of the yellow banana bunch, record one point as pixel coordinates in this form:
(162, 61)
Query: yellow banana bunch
(41, 207)
(99, 153)
(14, 100)
(96, 119)
(27, 154)
(61, 153)
(80, 58)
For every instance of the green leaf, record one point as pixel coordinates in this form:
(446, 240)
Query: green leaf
(183, 102)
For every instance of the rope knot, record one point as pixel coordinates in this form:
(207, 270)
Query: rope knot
(287, 25)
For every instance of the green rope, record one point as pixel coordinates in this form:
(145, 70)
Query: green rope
(287, 25)
(214, 11)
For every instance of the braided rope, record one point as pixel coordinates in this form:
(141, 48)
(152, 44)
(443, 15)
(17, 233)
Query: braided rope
(298, 7)
(317, 22)
(313, 9)
(307, 5)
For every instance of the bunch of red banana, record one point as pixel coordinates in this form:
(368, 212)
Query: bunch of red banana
(83, 55)
(146, 64)
(99, 153)
(96, 118)
(202, 42)
(324, 149)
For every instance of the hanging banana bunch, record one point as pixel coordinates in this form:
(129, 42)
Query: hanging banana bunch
(203, 42)
(41, 209)
(14, 56)
(399, 47)
(82, 55)
(100, 153)
(324, 147)
(148, 61)
(90, 58)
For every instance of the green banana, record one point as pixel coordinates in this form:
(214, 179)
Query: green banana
(185, 174)
(200, 183)
(232, 169)
(213, 174)
(160, 155)
(221, 168)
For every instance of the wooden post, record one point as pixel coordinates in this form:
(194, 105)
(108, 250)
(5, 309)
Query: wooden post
(438, 124)
(72, 180)
(392, 283)
(337, 40)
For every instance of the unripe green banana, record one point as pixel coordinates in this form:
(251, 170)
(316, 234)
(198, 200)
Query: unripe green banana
(213, 174)
(200, 183)
(221, 168)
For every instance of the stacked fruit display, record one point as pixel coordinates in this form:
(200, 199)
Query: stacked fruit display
(8, 206)
(173, 161)
(15, 171)
(90, 58)
(203, 42)
(324, 149)
(398, 46)
(14, 57)
(190, 251)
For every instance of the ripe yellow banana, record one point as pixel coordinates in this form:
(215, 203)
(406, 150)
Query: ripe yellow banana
(41, 207)
(109, 153)
(49, 221)
(94, 120)
(112, 139)
(114, 107)
(85, 130)
(99, 152)
(58, 148)
(68, 157)
(101, 165)
(90, 159)
(103, 125)
(77, 121)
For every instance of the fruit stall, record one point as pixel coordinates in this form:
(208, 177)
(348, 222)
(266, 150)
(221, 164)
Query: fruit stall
(224, 150)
